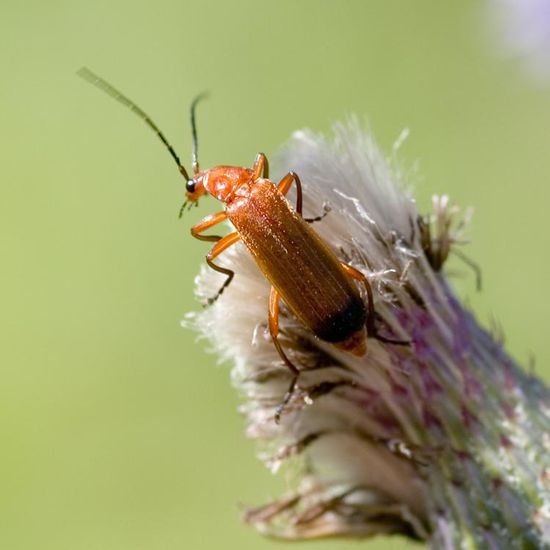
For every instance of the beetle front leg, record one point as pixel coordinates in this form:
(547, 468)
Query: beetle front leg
(207, 223)
(371, 327)
(216, 250)
(222, 243)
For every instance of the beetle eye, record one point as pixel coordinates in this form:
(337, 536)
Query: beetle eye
(190, 186)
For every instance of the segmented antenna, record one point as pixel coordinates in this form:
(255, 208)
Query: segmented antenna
(194, 132)
(98, 82)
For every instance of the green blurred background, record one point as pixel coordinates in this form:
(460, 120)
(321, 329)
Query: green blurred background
(118, 429)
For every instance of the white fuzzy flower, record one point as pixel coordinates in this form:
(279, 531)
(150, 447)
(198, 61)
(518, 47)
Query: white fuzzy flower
(445, 439)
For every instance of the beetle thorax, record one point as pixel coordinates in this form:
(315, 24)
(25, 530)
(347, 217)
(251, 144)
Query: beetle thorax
(226, 182)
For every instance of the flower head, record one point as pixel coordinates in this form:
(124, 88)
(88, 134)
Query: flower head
(444, 439)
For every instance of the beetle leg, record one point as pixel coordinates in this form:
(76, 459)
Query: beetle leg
(261, 166)
(326, 210)
(284, 186)
(274, 298)
(371, 328)
(273, 318)
(222, 243)
(207, 223)
(216, 250)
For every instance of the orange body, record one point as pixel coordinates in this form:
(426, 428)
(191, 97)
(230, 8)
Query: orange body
(304, 272)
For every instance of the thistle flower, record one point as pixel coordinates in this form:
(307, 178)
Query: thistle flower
(524, 28)
(443, 440)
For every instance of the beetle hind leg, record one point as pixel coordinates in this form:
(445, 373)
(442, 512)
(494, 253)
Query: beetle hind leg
(371, 327)
(286, 399)
(274, 298)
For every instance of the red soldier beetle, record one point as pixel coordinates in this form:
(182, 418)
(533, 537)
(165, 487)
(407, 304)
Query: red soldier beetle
(303, 271)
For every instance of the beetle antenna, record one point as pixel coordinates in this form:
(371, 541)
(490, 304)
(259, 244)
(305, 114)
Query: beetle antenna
(103, 85)
(194, 131)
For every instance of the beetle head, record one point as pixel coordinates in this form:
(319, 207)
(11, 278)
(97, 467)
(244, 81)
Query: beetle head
(222, 182)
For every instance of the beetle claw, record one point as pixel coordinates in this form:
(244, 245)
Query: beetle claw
(286, 399)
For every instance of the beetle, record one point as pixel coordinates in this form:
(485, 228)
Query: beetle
(303, 271)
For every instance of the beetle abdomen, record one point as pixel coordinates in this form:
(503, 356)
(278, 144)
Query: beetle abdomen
(295, 260)
(343, 323)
